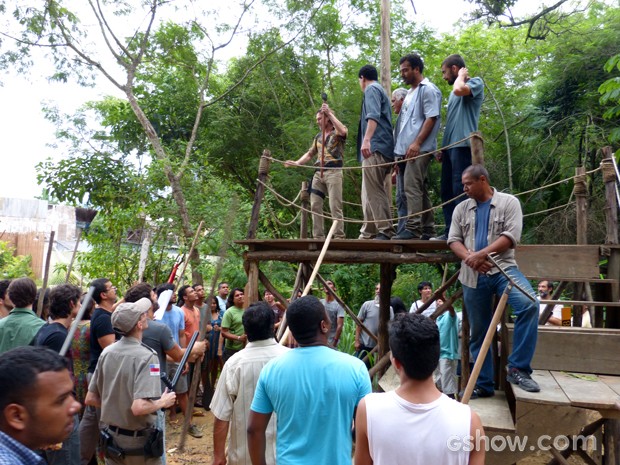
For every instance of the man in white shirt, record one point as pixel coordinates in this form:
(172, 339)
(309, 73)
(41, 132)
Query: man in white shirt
(425, 288)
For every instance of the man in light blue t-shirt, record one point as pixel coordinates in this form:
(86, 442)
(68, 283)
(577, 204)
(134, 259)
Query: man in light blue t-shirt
(313, 390)
(462, 118)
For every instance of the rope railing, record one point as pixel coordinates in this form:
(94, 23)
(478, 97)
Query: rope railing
(391, 163)
(285, 202)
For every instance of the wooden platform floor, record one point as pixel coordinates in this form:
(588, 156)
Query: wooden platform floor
(556, 262)
(584, 390)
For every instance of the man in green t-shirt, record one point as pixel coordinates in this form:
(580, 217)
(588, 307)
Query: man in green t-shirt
(232, 327)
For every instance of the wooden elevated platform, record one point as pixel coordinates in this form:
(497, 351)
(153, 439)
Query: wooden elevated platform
(556, 262)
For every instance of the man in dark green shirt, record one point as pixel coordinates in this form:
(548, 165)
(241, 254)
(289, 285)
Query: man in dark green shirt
(22, 324)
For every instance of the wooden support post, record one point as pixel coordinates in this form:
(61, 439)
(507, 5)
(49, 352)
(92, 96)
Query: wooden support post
(305, 204)
(251, 288)
(581, 200)
(46, 273)
(611, 437)
(611, 225)
(386, 71)
(263, 174)
(386, 274)
(477, 148)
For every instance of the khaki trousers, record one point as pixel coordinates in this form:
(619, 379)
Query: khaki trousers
(330, 184)
(376, 201)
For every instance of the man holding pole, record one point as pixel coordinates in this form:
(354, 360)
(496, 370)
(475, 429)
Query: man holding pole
(328, 147)
(491, 222)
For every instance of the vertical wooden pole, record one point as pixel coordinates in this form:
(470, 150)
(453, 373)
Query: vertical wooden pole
(386, 75)
(263, 174)
(77, 243)
(581, 201)
(305, 203)
(386, 279)
(46, 273)
(251, 288)
(477, 148)
(611, 225)
(465, 329)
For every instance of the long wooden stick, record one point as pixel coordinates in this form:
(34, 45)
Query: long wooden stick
(46, 273)
(488, 338)
(191, 249)
(315, 271)
(77, 243)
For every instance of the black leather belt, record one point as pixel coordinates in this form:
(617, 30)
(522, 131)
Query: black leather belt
(128, 432)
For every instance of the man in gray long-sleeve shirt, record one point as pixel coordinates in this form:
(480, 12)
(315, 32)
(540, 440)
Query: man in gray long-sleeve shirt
(375, 146)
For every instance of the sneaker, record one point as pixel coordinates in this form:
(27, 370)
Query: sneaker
(443, 237)
(522, 379)
(194, 431)
(478, 392)
(382, 237)
(405, 235)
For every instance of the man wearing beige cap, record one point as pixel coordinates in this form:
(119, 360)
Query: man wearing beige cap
(126, 387)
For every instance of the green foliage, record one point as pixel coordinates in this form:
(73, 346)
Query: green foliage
(610, 95)
(12, 266)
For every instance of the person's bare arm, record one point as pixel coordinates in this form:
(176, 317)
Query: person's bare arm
(370, 131)
(413, 150)
(176, 353)
(220, 432)
(476, 456)
(305, 158)
(93, 399)
(460, 87)
(362, 449)
(478, 260)
(226, 334)
(146, 406)
(257, 441)
(105, 341)
(340, 128)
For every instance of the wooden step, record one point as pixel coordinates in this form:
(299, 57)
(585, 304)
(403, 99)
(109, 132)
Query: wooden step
(494, 413)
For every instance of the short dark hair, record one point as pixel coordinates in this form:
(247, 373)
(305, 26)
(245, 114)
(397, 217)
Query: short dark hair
(476, 171)
(304, 318)
(100, 286)
(423, 284)
(369, 72)
(164, 287)
(22, 292)
(19, 368)
(230, 300)
(398, 305)
(414, 342)
(138, 291)
(219, 286)
(4, 285)
(454, 60)
(258, 320)
(181, 294)
(415, 61)
(61, 299)
(549, 283)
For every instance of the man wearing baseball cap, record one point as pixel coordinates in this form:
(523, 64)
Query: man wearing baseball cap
(126, 387)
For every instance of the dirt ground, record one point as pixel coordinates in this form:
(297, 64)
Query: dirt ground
(200, 451)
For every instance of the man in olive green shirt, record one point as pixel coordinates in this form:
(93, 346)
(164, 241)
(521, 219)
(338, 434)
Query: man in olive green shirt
(22, 324)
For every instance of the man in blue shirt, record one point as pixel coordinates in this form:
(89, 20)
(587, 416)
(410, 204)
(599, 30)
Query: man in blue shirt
(461, 120)
(313, 390)
(375, 147)
(36, 403)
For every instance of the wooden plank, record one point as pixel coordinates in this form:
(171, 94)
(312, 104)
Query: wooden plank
(580, 350)
(559, 262)
(494, 413)
(550, 392)
(587, 393)
(612, 381)
(350, 256)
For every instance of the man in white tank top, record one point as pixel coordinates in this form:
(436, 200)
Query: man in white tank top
(431, 427)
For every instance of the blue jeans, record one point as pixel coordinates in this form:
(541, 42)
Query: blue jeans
(478, 304)
(453, 163)
(401, 198)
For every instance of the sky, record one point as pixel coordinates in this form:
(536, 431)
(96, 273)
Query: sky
(26, 135)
